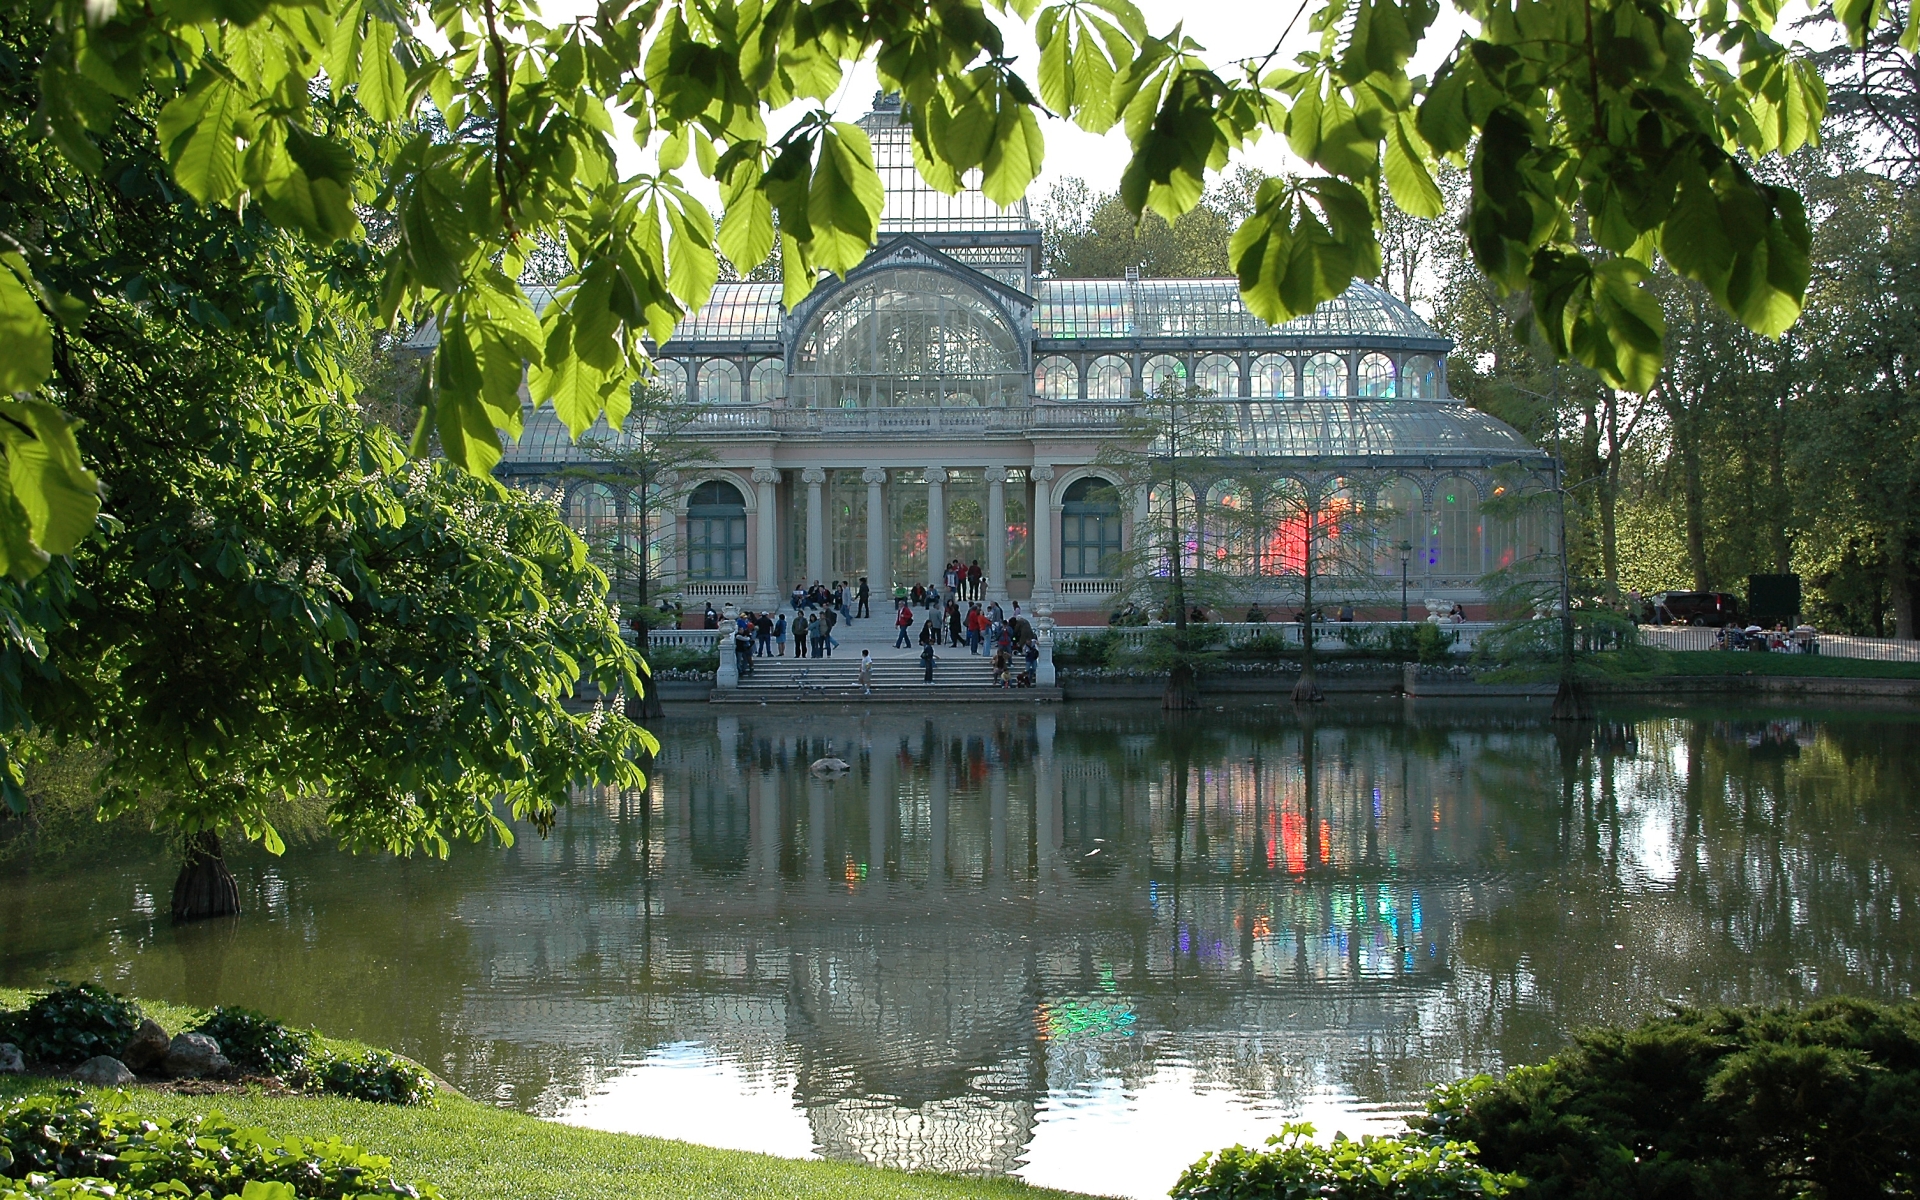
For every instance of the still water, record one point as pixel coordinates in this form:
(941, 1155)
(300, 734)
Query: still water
(1077, 947)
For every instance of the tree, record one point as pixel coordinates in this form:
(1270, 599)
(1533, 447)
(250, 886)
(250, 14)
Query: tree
(1316, 532)
(644, 466)
(1161, 460)
(1094, 236)
(1615, 108)
(280, 603)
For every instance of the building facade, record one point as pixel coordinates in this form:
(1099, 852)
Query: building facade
(944, 401)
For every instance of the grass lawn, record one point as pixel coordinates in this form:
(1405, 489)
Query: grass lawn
(475, 1152)
(1805, 666)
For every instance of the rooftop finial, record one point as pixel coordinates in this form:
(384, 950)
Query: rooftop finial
(885, 101)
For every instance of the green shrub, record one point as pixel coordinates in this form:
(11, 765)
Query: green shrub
(71, 1024)
(1373, 1168)
(381, 1078)
(1729, 1103)
(68, 1146)
(1088, 649)
(256, 1042)
(1263, 645)
(683, 658)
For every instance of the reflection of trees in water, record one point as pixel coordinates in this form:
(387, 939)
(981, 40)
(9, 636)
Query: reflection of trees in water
(992, 906)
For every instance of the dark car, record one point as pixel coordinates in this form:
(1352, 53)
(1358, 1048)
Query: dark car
(1695, 608)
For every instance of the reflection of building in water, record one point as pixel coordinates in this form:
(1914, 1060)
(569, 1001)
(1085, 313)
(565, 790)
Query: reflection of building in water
(988, 910)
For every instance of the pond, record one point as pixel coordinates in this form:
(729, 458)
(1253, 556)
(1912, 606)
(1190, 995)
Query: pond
(1080, 947)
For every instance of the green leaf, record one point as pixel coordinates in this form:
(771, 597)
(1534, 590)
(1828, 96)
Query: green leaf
(574, 388)
(26, 338)
(383, 81)
(1013, 160)
(54, 490)
(1406, 171)
(844, 200)
(746, 228)
(200, 129)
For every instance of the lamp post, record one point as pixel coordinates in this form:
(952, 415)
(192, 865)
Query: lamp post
(1406, 556)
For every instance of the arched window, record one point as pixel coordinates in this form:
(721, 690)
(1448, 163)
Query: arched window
(1398, 529)
(1089, 530)
(1420, 379)
(1163, 372)
(671, 377)
(719, 382)
(909, 337)
(769, 381)
(1272, 376)
(716, 532)
(1231, 529)
(1376, 375)
(1326, 376)
(1218, 374)
(1109, 378)
(1455, 533)
(1055, 379)
(592, 513)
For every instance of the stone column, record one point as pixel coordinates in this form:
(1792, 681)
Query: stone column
(879, 572)
(936, 524)
(1042, 522)
(997, 533)
(814, 477)
(766, 584)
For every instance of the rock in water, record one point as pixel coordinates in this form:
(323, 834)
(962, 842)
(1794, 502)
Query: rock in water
(830, 766)
(195, 1055)
(103, 1070)
(11, 1061)
(148, 1046)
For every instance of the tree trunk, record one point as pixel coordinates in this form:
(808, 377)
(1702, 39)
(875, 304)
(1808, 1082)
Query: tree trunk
(1900, 587)
(1694, 494)
(205, 888)
(1307, 690)
(646, 706)
(1183, 682)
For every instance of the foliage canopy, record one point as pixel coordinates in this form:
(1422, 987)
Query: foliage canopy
(1643, 114)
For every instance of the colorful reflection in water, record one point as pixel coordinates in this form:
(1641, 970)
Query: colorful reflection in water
(1079, 947)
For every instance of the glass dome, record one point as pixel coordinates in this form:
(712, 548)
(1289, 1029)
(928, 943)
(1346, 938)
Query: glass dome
(908, 338)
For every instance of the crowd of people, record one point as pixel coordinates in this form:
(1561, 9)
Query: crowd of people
(956, 615)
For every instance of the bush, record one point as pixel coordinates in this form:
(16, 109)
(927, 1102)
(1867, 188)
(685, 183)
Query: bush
(1730, 1103)
(257, 1043)
(66, 1145)
(682, 658)
(1088, 649)
(381, 1078)
(1373, 1168)
(71, 1024)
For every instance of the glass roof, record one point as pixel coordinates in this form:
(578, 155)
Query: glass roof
(1370, 428)
(737, 312)
(1148, 308)
(912, 206)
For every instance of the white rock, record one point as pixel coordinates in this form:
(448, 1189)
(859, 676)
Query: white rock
(103, 1070)
(195, 1055)
(11, 1060)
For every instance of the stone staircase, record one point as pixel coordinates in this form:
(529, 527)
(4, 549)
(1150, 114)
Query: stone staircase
(958, 677)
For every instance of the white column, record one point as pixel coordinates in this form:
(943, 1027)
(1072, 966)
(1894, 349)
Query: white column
(1042, 523)
(936, 523)
(997, 533)
(879, 574)
(766, 584)
(813, 477)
